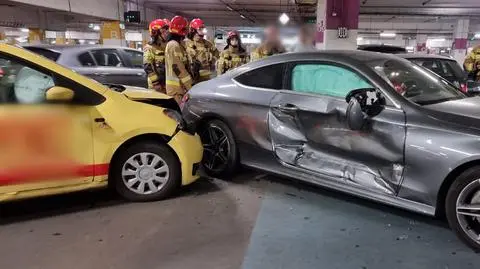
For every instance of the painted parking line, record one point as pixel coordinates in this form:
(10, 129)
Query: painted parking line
(316, 229)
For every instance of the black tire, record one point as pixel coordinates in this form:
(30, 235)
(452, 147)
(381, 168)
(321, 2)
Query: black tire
(465, 179)
(232, 157)
(171, 185)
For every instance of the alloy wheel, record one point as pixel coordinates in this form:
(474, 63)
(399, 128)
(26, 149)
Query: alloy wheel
(145, 173)
(216, 148)
(468, 210)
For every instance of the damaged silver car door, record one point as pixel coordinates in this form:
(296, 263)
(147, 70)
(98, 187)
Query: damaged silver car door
(309, 130)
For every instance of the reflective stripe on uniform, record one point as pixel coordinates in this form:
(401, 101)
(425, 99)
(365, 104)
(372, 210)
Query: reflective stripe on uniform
(186, 79)
(172, 83)
(204, 72)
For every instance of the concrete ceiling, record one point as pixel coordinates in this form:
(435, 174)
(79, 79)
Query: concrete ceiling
(260, 12)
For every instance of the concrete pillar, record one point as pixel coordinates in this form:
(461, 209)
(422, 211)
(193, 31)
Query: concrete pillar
(421, 42)
(460, 40)
(145, 38)
(60, 38)
(333, 14)
(35, 36)
(112, 34)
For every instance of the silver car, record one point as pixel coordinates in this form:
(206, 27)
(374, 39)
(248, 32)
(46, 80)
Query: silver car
(369, 124)
(106, 64)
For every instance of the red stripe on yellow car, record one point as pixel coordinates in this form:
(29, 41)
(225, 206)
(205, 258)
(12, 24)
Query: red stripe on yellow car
(50, 172)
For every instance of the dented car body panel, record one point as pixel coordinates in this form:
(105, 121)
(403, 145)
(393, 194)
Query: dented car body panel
(402, 156)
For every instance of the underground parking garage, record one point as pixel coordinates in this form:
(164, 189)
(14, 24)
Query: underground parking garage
(239, 134)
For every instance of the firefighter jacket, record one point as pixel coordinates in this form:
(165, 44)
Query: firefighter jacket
(178, 79)
(202, 56)
(265, 50)
(472, 63)
(231, 58)
(154, 65)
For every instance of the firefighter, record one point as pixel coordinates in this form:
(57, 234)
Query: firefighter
(178, 79)
(270, 46)
(234, 55)
(472, 64)
(154, 54)
(202, 54)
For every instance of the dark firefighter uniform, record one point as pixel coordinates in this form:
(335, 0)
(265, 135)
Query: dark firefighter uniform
(472, 64)
(154, 55)
(202, 54)
(178, 79)
(265, 50)
(154, 65)
(232, 56)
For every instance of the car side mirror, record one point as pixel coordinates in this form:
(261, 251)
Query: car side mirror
(362, 104)
(59, 94)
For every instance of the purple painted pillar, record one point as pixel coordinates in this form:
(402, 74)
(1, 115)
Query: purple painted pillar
(333, 14)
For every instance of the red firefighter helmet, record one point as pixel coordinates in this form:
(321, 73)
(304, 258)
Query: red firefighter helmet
(179, 25)
(233, 33)
(197, 24)
(156, 25)
(167, 21)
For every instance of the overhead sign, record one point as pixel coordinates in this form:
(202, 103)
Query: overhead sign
(132, 16)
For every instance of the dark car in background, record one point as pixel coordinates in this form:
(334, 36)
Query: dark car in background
(106, 64)
(445, 67)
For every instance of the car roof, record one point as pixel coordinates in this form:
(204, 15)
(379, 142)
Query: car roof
(345, 55)
(63, 48)
(423, 56)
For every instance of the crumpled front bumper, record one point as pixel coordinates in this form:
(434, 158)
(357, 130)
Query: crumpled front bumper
(189, 150)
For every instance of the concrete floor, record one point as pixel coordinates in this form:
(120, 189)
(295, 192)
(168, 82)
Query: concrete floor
(250, 222)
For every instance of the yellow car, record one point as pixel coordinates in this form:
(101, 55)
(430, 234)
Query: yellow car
(62, 132)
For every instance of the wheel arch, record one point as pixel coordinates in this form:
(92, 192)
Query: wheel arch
(155, 137)
(451, 177)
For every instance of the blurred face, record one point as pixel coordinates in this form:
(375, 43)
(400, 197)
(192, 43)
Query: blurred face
(271, 34)
(234, 41)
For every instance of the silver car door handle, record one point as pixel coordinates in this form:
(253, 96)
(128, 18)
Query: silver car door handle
(287, 107)
(140, 74)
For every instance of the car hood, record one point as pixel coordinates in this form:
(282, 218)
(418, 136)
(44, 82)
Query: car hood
(137, 93)
(464, 112)
(469, 107)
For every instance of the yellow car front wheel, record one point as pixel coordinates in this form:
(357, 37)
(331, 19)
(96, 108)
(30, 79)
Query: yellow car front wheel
(146, 171)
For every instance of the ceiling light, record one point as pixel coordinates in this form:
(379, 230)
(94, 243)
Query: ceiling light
(96, 27)
(386, 34)
(283, 18)
(243, 17)
(437, 39)
(229, 8)
(477, 36)
(25, 30)
(359, 38)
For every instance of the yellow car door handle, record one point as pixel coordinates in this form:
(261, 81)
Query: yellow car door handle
(100, 120)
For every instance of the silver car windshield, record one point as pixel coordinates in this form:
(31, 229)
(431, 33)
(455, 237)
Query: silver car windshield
(416, 83)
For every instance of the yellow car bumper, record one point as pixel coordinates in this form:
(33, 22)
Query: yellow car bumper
(189, 150)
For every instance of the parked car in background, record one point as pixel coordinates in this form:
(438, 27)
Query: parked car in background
(105, 64)
(445, 67)
(62, 132)
(369, 124)
(383, 48)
